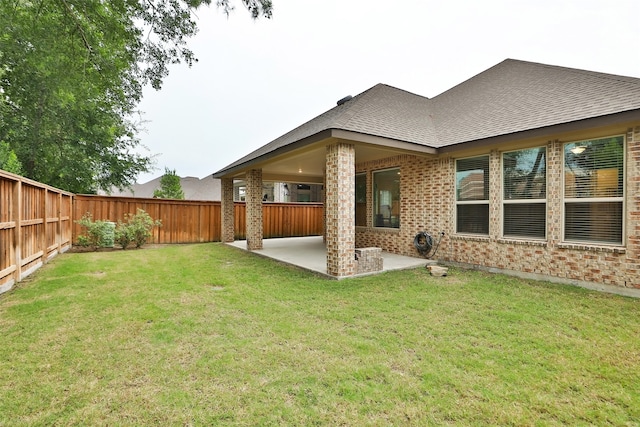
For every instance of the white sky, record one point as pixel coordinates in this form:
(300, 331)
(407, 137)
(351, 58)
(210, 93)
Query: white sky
(256, 80)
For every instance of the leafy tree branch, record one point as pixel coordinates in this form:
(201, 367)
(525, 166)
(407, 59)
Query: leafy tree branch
(71, 78)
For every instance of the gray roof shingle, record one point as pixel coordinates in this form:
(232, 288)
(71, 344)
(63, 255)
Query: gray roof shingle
(381, 111)
(510, 97)
(515, 96)
(207, 188)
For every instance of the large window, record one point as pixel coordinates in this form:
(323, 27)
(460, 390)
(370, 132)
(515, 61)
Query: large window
(361, 199)
(472, 195)
(386, 198)
(525, 191)
(594, 190)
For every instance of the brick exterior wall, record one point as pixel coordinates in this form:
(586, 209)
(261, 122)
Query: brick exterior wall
(424, 203)
(632, 267)
(340, 209)
(253, 179)
(226, 205)
(427, 191)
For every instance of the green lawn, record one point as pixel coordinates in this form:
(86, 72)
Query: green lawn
(210, 335)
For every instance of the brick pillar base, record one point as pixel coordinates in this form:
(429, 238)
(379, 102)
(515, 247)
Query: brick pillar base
(340, 209)
(254, 209)
(227, 233)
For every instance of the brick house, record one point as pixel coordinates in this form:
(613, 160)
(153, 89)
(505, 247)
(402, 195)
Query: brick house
(526, 167)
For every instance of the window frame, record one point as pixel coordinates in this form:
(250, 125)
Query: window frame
(356, 202)
(394, 223)
(483, 202)
(621, 199)
(523, 201)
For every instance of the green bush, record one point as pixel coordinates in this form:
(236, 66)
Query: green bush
(136, 229)
(98, 233)
(123, 236)
(83, 241)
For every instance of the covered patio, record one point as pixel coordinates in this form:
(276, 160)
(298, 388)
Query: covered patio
(310, 253)
(326, 151)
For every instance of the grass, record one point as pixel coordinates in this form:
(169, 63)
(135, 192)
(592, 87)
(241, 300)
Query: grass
(209, 335)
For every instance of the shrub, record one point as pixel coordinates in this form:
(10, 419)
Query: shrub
(83, 241)
(98, 233)
(123, 236)
(136, 229)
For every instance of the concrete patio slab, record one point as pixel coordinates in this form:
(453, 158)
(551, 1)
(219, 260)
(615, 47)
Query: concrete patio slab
(310, 254)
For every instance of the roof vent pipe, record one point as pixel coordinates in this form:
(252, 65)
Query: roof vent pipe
(345, 99)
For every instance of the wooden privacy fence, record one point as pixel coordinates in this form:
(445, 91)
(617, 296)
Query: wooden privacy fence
(37, 222)
(183, 221)
(288, 219)
(187, 221)
(35, 225)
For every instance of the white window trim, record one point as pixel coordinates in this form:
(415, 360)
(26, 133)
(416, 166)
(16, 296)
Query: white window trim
(374, 196)
(524, 201)
(470, 202)
(623, 198)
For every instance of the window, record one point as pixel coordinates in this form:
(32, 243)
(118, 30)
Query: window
(361, 199)
(303, 192)
(386, 198)
(594, 190)
(525, 191)
(472, 195)
(239, 192)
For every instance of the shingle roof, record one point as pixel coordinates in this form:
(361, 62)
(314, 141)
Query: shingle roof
(207, 188)
(513, 96)
(381, 111)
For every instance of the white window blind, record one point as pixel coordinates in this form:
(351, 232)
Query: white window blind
(524, 193)
(594, 190)
(472, 195)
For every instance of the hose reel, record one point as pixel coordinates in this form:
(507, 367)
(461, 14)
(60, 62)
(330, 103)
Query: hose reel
(425, 244)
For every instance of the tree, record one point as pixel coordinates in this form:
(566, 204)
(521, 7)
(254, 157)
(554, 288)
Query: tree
(8, 159)
(71, 77)
(170, 187)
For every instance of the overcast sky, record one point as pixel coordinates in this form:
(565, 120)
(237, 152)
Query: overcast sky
(256, 80)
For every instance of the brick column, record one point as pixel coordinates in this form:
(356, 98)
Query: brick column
(228, 229)
(340, 209)
(495, 196)
(632, 172)
(554, 193)
(254, 209)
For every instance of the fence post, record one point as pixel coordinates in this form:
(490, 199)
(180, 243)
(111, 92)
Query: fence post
(70, 219)
(43, 240)
(59, 231)
(17, 237)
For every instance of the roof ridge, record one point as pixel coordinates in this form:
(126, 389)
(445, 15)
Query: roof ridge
(595, 74)
(360, 103)
(403, 90)
(599, 74)
(354, 105)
